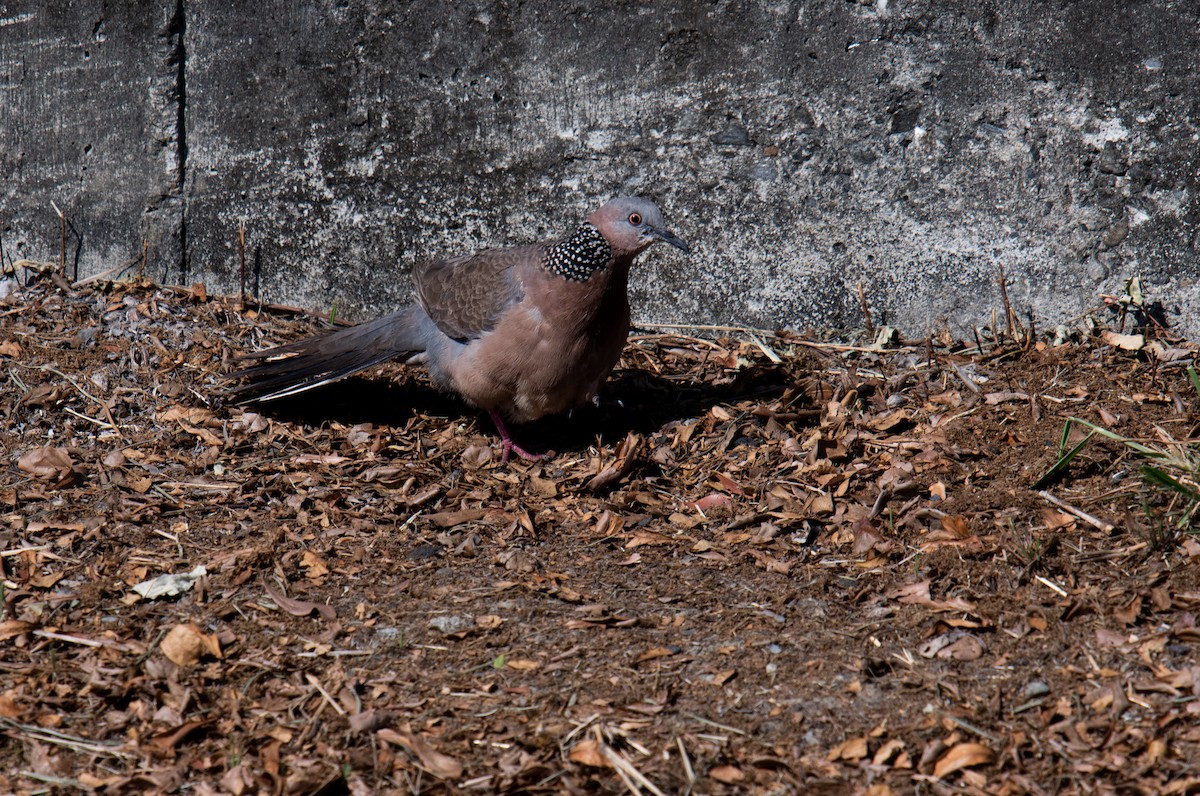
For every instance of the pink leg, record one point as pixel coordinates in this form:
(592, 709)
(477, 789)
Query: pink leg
(509, 445)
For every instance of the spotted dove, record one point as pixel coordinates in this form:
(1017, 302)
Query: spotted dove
(522, 333)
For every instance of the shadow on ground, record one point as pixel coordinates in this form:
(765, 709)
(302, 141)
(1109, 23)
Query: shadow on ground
(632, 400)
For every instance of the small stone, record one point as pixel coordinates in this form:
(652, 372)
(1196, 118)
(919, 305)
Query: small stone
(733, 135)
(1115, 234)
(450, 624)
(765, 170)
(1035, 689)
(1111, 161)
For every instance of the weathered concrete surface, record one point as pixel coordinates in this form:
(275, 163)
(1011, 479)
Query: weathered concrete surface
(88, 122)
(802, 147)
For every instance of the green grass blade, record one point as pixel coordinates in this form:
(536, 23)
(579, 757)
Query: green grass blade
(1059, 466)
(1065, 438)
(1145, 450)
(1157, 477)
(1191, 371)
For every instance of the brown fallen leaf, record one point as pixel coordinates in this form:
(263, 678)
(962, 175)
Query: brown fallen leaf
(314, 566)
(918, 594)
(956, 526)
(450, 519)
(710, 501)
(488, 621)
(956, 645)
(1057, 520)
(628, 452)
(656, 652)
(184, 645)
(646, 538)
(194, 415)
(299, 607)
(885, 753)
(439, 765)
(994, 398)
(9, 707)
(10, 628)
(49, 463)
(167, 740)
(587, 752)
(728, 775)
(850, 749)
(1129, 342)
(891, 421)
(964, 755)
(521, 664)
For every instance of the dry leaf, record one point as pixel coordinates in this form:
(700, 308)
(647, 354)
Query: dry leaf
(451, 519)
(9, 707)
(729, 775)
(439, 765)
(1129, 342)
(184, 645)
(627, 455)
(963, 756)
(298, 607)
(521, 665)
(49, 463)
(918, 594)
(956, 526)
(850, 749)
(656, 652)
(587, 752)
(711, 501)
(314, 566)
(885, 753)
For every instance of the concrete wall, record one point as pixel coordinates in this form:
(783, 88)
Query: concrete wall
(802, 147)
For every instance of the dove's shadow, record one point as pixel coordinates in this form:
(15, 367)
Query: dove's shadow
(631, 400)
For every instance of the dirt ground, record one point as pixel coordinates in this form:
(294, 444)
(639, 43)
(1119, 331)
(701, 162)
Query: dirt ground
(826, 574)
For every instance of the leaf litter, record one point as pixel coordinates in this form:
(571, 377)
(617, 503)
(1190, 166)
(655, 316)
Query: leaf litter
(764, 564)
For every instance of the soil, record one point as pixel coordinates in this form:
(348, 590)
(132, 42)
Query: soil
(762, 565)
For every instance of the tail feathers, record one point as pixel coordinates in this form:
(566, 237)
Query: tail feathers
(316, 361)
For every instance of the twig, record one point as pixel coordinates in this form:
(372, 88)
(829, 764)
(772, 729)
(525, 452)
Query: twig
(80, 640)
(1095, 522)
(969, 727)
(107, 413)
(61, 739)
(82, 416)
(63, 782)
(624, 768)
(866, 311)
(687, 762)
(766, 349)
(712, 723)
(1054, 587)
(978, 342)
(315, 683)
(16, 551)
(1010, 316)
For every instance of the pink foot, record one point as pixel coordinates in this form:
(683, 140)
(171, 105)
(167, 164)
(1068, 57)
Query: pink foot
(511, 447)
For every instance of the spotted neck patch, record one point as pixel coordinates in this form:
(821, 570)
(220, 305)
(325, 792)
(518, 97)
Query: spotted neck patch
(579, 256)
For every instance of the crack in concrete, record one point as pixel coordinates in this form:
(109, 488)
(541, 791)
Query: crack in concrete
(177, 31)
